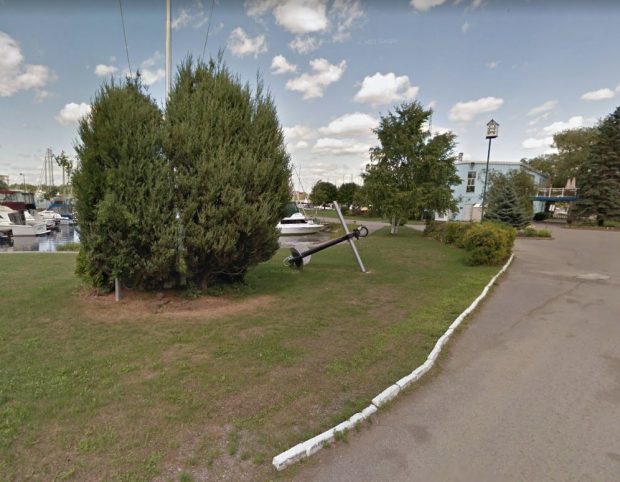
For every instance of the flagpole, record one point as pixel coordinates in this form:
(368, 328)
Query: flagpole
(168, 50)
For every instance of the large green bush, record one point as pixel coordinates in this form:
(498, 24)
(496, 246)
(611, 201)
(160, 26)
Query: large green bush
(123, 191)
(489, 243)
(231, 172)
(448, 232)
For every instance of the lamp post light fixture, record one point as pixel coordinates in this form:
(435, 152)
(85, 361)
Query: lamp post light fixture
(492, 131)
(23, 179)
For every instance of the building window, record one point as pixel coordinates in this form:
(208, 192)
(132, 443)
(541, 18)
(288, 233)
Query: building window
(471, 181)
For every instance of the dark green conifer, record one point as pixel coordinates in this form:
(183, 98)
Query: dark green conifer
(599, 177)
(231, 172)
(504, 206)
(123, 191)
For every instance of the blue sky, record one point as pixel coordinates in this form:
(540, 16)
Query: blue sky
(333, 68)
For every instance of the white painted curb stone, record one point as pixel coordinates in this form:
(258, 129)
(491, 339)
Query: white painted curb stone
(313, 445)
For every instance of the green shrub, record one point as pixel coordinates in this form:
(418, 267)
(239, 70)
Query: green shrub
(450, 232)
(455, 233)
(531, 232)
(68, 247)
(488, 243)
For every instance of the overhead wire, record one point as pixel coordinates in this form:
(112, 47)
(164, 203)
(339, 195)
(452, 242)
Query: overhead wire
(120, 4)
(204, 47)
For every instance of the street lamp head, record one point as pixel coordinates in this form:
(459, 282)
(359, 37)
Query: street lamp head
(492, 129)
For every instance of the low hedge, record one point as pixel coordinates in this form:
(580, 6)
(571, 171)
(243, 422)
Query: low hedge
(488, 243)
(531, 232)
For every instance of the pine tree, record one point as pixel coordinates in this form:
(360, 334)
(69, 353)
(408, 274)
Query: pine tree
(231, 172)
(123, 190)
(504, 206)
(599, 177)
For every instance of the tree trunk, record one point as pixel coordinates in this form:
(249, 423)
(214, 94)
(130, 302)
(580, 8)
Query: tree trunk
(394, 225)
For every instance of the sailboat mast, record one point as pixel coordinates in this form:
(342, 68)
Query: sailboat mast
(168, 49)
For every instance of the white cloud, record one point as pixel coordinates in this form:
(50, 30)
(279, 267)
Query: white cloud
(384, 89)
(255, 8)
(466, 111)
(313, 84)
(492, 65)
(297, 132)
(105, 70)
(195, 15)
(301, 145)
(465, 27)
(356, 123)
(305, 45)
(532, 143)
(600, 94)
(340, 147)
(544, 107)
(241, 45)
(536, 120)
(181, 20)
(574, 122)
(425, 5)
(301, 16)
(346, 13)
(150, 77)
(72, 113)
(279, 65)
(15, 75)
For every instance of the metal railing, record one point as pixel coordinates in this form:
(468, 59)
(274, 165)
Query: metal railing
(557, 192)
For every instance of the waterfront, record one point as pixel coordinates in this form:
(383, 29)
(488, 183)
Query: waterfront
(49, 243)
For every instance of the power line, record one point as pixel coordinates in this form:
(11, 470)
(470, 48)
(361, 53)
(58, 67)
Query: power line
(120, 4)
(204, 48)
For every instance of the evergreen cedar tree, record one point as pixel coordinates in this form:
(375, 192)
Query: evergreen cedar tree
(232, 172)
(412, 171)
(599, 176)
(123, 191)
(194, 197)
(505, 207)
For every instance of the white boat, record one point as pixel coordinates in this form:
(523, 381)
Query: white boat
(298, 224)
(53, 215)
(8, 225)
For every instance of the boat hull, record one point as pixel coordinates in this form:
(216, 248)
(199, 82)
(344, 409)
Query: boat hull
(301, 229)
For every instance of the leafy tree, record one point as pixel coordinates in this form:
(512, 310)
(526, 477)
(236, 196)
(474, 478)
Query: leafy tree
(573, 147)
(3, 185)
(412, 170)
(323, 193)
(231, 172)
(123, 190)
(66, 165)
(346, 193)
(599, 177)
(504, 206)
(522, 183)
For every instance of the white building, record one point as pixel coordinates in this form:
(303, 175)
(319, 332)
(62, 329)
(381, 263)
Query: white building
(469, 192)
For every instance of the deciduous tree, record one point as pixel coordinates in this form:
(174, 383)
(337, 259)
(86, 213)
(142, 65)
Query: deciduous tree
(411, 170)
(323, 193)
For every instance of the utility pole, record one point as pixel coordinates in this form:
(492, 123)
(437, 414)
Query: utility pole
(168, 50)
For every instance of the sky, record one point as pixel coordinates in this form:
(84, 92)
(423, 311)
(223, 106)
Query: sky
(334, 67)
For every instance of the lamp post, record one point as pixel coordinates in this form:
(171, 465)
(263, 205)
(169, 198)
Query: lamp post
(492, 130)
(24, 179)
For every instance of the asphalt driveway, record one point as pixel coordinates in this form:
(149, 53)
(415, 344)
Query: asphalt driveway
(529, 391)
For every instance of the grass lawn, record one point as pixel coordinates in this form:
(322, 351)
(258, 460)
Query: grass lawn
(184, 389)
